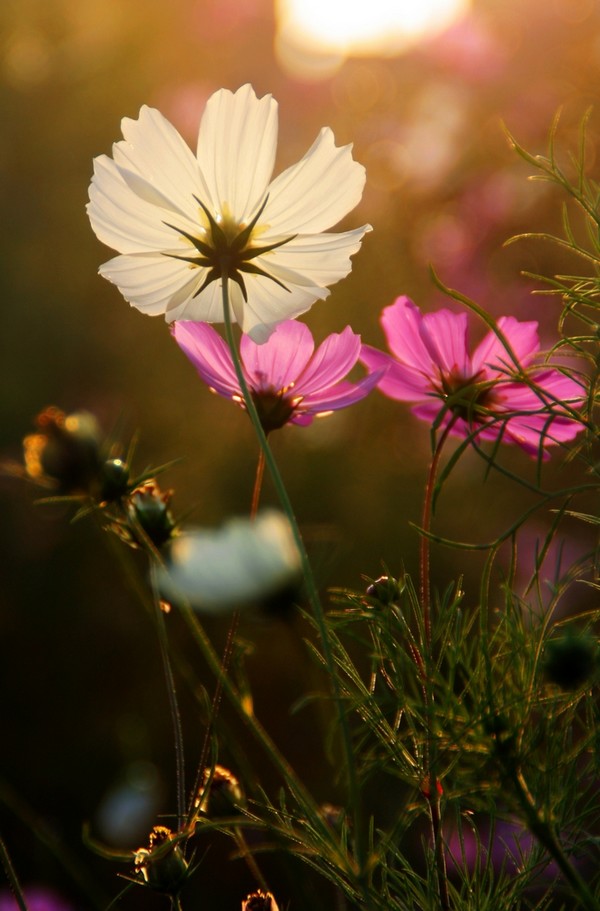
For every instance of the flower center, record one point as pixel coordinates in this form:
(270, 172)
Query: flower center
(226, 249)
(274, 407)
(469, 398)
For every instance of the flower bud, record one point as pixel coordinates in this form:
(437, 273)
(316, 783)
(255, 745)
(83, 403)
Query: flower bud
(259, 901)
(220, 793)
(114, 480)
(162, 864)
(386, 590)
(65, 453)
(148, 508)
(571, 660)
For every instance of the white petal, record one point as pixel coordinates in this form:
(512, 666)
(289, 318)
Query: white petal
(153, 283)
(309, 260)
(232, 566)
(121, 219)
(153, 149)
(317, 192)
(207, 307)
(236, 149)
(268, 305)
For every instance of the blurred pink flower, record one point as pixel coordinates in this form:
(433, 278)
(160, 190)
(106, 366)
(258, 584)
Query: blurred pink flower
(289, 381)
(485, 395)
(37, 898)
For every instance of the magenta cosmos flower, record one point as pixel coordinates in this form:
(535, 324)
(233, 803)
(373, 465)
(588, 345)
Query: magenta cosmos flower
(485, 395)
(289, 381)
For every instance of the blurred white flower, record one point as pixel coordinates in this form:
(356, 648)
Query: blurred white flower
(241, 563)
(182, 221)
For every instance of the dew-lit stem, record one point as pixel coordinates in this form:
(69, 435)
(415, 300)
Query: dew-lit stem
(432, 794)
(426, 526)
(227, 652)
(309, 581)
(175, 715)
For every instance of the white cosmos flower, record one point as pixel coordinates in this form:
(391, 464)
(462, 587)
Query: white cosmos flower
(179, 219)
(243, 562)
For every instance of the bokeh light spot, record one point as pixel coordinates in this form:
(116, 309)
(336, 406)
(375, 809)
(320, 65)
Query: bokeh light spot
(341, 28)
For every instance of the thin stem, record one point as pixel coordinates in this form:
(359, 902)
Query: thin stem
(174, 709)
(214, 711)
(251, 863)
(225, 660)
(547, 837)
(50, 839)
(309, 581)
(260, 471)
(426, 526)
(12, 877)
(432, 794)
(272, 752)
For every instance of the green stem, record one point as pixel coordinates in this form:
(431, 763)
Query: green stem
(426, 526)
(249, 858)
(12, 877)
(227, 652)
(313, 596)
(547, 837)
(174, 709)
(280, 763)
(432, 795)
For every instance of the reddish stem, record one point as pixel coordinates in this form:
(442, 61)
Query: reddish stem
(426, 526)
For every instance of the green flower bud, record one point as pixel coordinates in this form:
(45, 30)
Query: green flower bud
(148, 508)
(571, 660)
(114, 480)
(386, 590)
(220, 794)
(162, 865)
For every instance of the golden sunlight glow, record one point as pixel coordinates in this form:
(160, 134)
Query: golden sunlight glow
(335, 29)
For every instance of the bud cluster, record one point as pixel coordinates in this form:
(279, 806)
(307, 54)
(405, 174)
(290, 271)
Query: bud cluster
(68, 456)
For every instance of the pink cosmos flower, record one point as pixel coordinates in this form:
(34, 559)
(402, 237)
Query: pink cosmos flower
(484, 395)
(289, 381)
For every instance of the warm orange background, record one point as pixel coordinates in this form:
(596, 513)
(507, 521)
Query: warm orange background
(82, 688)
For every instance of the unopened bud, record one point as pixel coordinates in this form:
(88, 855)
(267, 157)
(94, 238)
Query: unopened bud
(220, 794)
(114, 480)
(162, 864)
(149, 509)
(571, 660)
(385, 589)
(65, 453)
(259, 901)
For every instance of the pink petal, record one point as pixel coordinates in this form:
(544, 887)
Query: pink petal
(333, 359)
(209, 354)
(339, 396)
(552, 388)
(444, 335)
(406, 384)
(402, 322)
(492, 355)
(278, 362)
